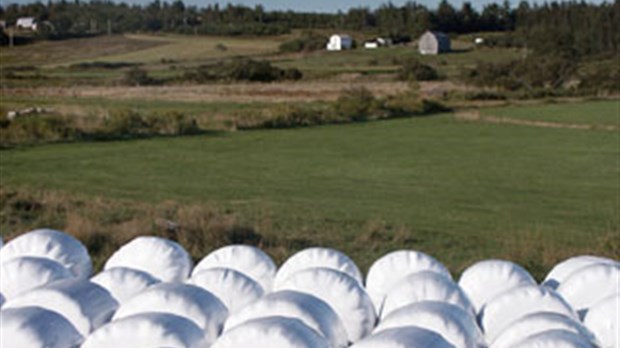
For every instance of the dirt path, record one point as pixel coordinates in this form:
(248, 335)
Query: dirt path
(474, 116)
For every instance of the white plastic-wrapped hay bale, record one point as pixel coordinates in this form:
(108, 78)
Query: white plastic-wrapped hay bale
(272, 332)
(35, 327)
(188, 301)
(123, 283)
(343, 293)
(163, 259)
(589, 285)
(148, 330)
(554, 339)
(233, 288)
(404, 337)
(499, 313)
(50, 244)
(22, 274)
(425, 286)
(84, 304)
(539, 322)
(393, 267)
(450, 321)
(309, 309)
(246, 259)
(2, 300)
(603, 320)
(562, 270)
(486, 279)
(318, 257)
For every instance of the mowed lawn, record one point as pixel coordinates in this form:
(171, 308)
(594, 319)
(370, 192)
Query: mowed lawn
(462, 189)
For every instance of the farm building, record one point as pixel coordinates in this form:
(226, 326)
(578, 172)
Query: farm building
(26, 23)
(433, 42)
(378, 42)
(339, 42)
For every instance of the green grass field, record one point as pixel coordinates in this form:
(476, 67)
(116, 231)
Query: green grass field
(462, 190)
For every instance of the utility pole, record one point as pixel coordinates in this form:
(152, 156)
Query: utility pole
(11, 37)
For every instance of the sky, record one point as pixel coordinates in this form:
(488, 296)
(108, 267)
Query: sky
(312, 5)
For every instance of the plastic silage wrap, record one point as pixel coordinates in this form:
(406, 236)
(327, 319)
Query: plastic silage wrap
(318, 258)
(165, 260)
(554, 339)
(536, 323)
(404, 337)
(84, 304)
(248, 260)
(36, 327)
(589, 285)
(425, 286)
(233, 288)
(148, 330)
(272, 332)
(603, 320)
(344, 294)
(123, 283)
(453, 323)
(393, 267)
(564, 269)
(310, 310)
(486, 279)
(187, 301)
(21, 274)
(50, 244)
(498, 314)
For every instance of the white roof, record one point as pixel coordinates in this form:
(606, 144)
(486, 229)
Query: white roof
(310, 310)
(603, 319)
(554, 339)
(50, 244)
(161, 258)
(499, 313)
(404, 337)
(318, 257)
(246, 259)
(233, 288)
(343, 293)
(537, 323)
(425, 286)
(84, 304)
(35, 327)
(391, 268)
(486, 279)
(188, 301)
(148, 330)
(450, 321)
(590, 284)
(272, 332)
(21, 274)
(123, 283)
(562, 270)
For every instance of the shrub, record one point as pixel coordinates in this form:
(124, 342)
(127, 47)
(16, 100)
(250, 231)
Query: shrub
(138, 77)
(355, 104)
(414, 70)
(242, 70)
(307, 42)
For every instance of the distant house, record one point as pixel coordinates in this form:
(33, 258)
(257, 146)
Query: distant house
(29, 23)
(434, 42)
(339, 42)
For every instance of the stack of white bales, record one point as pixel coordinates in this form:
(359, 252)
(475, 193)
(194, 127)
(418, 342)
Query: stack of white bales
(150, 295)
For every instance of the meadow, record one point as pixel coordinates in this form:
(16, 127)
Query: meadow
(457, 189)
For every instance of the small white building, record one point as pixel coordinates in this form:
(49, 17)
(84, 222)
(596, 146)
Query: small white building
(339, 42)
(434, 42)
(26, 23)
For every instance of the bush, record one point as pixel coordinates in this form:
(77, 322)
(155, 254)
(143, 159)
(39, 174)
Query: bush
(138, 77)
(242, 70)
(355, 104)
(306, 43)
(414, 70)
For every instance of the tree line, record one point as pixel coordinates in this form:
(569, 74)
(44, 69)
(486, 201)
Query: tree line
(572, 28)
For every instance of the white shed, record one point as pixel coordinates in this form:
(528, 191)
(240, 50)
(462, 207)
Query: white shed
(338, 42)
(26, 23)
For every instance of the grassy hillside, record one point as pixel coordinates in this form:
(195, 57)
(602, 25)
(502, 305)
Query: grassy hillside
(458, 190)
